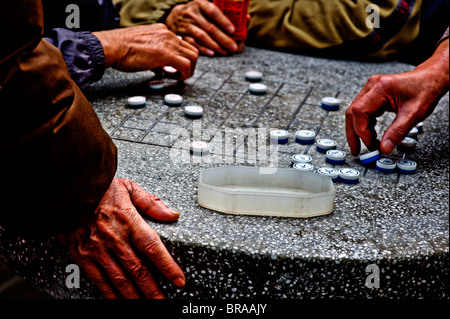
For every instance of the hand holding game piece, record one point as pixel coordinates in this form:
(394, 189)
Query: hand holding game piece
(147, 47)
(411, 95)
(203, 24)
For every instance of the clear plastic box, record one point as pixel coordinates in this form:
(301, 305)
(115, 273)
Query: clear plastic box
(283, 193)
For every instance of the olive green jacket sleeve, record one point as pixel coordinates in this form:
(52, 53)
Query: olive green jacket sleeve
(331, 28)
(139, 12)
(343, 28)
(57, 161)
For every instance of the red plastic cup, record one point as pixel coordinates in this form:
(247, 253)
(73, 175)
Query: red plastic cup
(236, 11)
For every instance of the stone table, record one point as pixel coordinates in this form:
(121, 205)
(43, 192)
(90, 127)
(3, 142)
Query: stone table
(392, 224)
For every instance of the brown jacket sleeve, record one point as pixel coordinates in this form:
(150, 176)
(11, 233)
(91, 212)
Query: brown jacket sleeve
(56, 160)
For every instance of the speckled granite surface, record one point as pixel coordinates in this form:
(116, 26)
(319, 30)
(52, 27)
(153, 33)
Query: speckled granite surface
(398, 223)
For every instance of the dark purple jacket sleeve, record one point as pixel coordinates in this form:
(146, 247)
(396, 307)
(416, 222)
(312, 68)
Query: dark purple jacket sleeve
(82, 52)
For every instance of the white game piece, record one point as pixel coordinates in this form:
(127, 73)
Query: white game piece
(413, 133)
(406, 166)
(279, 136)
(253, 76)
(386, 165)
(325, 144)
(305, 136)
(170, 69)
(257, 88)
(193, 111)
(157, 84)
(331, 103)
(369, 157)
(137, 101)
(349, 175)
(329, 172)
(199, 148)
(336, 157)
(419, 127)
(301, 158)
(173, 99)
(304, 167)
(407, 145)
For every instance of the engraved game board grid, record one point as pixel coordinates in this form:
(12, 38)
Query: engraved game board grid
(228, 105)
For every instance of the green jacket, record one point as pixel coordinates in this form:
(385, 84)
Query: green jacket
(332, 28)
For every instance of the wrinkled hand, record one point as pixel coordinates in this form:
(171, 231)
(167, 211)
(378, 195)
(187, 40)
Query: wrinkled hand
(411, 95)
(203, 24)
(117, 244)
(147, 47)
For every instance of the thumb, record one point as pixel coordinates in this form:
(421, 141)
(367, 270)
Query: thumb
(151, 205)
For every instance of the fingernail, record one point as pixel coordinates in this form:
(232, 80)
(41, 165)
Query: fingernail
(174, 212)
(233, 47)
(179, 282)
(209, 52)
(230, 29)
(388, 146)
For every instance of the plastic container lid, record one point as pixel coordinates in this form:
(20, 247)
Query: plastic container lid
(305, 136)
(285, 193)
(304, 167)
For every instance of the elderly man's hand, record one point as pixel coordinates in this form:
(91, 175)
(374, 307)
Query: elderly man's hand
(117, 245)
(147, 47)
(203, 24)
(411, 95)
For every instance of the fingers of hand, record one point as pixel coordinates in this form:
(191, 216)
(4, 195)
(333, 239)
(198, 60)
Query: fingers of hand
(216, 34)
(151, 205)
(204, 22)
(213, 13)
(360, 125)
(202, 49)
(362, 114)
(397, 131)
(100, 279)
(148, 242)
(205, 39)
(352, 138)
(136, 268)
